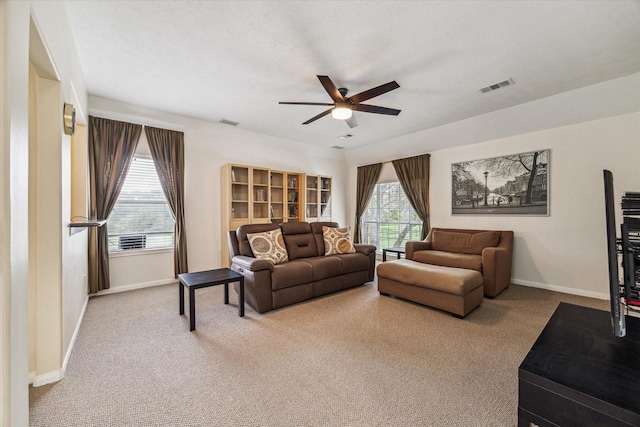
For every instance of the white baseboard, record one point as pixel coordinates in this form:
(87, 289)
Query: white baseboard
(133, 286)
(563, 289)
(48, 378)
(51, 377)
(75, 334)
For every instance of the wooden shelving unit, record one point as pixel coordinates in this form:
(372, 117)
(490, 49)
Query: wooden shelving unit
(255, 195)
(318, 198)
(325, 198)
(239, 182)
(294, 202)
(311, 197)
(276, 198)
(260, 193)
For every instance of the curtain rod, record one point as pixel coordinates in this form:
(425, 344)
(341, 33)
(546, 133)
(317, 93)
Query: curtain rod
(401, 158)
(136, 120)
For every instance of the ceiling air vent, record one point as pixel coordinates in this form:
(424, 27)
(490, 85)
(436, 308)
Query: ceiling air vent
(228, 122)
(496, 86)
(338, 147)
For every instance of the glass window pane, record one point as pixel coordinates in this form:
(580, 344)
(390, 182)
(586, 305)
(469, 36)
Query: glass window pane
(389, 219)
(141, 217)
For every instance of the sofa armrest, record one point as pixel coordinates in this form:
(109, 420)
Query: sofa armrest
(252, 264)
(413, 246)
(496, 270)
(370, 252)
(365, 249)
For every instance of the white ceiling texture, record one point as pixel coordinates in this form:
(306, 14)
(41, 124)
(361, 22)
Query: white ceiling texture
(236, 60)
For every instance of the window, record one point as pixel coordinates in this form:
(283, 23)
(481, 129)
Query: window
(141, 218)
(389, 219)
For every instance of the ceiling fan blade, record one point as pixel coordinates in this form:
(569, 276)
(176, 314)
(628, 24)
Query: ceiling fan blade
(375, 109)
(319, 116)
(331, 89)
(371, 93)
(352, 122)
(306, 103)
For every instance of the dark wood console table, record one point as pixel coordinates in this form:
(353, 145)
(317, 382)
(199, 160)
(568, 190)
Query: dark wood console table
(578, 374)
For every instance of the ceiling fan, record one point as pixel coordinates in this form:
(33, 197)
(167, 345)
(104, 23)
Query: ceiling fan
(343, 107)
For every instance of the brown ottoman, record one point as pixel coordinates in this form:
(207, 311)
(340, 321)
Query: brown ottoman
(456, 290)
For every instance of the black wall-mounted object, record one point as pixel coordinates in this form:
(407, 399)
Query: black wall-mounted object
(617, 316)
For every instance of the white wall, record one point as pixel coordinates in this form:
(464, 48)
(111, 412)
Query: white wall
(58, 264)
(565, 251)
(208, 146)
(75, 248)
(14, 178)
(45, 228)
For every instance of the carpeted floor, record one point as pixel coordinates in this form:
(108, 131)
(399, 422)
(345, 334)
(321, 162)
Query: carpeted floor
(353, 358)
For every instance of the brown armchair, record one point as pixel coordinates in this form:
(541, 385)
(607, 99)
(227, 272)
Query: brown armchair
(488, 251)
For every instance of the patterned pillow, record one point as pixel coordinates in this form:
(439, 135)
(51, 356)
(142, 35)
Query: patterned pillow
(337, 241)
(269, 245)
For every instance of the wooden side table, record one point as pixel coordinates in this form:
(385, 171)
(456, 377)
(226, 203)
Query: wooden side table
(398, 250)
(203, 279)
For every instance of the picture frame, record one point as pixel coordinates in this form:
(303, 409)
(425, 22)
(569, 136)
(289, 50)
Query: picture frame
(514, 184)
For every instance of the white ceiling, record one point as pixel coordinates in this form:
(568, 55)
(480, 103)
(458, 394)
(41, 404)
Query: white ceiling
(235, 60)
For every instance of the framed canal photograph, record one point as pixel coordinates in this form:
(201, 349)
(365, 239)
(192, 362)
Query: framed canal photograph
(516, 184)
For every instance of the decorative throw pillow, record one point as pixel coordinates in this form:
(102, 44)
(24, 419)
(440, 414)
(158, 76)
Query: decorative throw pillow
(337, 241)
(269, 245)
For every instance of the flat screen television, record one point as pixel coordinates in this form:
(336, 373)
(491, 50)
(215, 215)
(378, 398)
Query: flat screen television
(617, 313)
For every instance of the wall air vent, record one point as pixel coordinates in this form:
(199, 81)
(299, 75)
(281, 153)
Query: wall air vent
(496, 86)
(228, 122)
(338, 147)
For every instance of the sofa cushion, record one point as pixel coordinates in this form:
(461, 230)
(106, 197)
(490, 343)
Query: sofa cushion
(316, 228)
(243, 230)
(449, 259)
(464, 243)
(354, 262)
(455, 281)
(268, 245)
(337, 241)
(324, 267)
(299, 240)
(291, 273)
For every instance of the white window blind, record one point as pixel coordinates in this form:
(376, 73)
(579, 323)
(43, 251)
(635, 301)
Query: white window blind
(389, 219)
(141, 218)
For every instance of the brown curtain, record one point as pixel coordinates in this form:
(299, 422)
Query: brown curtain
(111, 148)
(167, 150)
(413, 174)
(367, 179)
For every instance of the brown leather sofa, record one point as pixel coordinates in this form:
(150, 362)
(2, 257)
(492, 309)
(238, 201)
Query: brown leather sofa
(487, 251)
(306, 275)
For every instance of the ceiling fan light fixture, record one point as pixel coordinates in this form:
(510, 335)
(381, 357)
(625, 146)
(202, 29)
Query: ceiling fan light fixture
(341, 113)
(342, 107)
